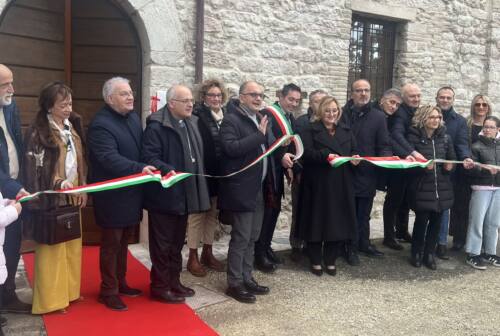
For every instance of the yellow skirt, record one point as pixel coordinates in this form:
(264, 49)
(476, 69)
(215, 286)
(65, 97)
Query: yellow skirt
(57, 276)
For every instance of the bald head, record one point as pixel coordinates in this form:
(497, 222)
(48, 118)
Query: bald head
(6, 85)
(180, 101)
(411, 95)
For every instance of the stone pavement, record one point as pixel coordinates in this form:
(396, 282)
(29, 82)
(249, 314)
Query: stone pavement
(381, 297)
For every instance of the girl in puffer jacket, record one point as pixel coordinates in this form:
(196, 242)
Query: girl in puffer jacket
(9, 212)
(484, 217)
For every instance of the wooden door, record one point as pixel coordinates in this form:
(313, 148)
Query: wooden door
(81, 42)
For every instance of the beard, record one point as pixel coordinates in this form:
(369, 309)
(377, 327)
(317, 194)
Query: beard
(6, 100)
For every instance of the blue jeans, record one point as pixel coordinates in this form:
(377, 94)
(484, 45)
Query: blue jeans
(484, 220)
(443, 231)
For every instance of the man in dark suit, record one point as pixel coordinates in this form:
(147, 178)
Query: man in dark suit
(114, 140)
(245, 134)
(372, 138)
(289, 101)
(11, 151)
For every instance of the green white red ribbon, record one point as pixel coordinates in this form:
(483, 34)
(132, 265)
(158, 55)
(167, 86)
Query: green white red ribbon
(166, 181)
(391, 162)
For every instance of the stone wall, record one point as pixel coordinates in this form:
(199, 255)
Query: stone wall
(447, 42)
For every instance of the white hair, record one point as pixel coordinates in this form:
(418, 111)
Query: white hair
(109, 85)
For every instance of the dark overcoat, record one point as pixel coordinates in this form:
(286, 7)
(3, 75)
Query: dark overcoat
(114, 142)
(369, 126)
(431, 189)
(242, 143)
(162, 147)
(326, 210)
(9, 186)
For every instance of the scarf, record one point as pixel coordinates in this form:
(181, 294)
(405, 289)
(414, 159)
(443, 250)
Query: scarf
(67, 138)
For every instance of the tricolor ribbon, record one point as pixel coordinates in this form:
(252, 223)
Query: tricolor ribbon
(391, 162)
(166, 181)
(287, 131)
(173, 177)
(394, 162)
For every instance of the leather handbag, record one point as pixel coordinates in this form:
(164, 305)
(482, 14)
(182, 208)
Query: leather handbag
(56, 225)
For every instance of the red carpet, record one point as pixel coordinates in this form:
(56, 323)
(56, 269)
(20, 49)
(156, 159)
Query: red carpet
(144, 317)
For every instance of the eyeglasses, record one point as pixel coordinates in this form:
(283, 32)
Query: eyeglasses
(362, 90)
(481, 105)
(435, 118)
(125, 94)
(331, 111)
(214, 95)
(254, 95)
(490, 127)
(184, 101)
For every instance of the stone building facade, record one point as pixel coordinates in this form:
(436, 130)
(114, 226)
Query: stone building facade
(444, 42)
(437, 42)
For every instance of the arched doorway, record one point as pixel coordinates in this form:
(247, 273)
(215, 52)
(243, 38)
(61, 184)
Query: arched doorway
(82, 42)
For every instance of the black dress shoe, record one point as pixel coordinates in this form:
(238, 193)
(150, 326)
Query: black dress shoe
(442, 252)
(416, 259)
(239, 293)
(113, 302)
(430, 262)
(404, 237)
(352, 257)
(392, 244)
(263, 264)
(3, 321)
(316, 271)
(129, 291)
(271, 255)
(371, 251)
(166, 296)
(14, 305)
(331, 270)
(254, 288)
(183, 291)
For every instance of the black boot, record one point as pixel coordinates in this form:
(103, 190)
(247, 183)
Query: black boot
(416, 259)
(430, 262)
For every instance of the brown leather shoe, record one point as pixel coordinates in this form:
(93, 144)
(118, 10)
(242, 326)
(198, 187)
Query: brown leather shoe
(193, 265)
(209, 260)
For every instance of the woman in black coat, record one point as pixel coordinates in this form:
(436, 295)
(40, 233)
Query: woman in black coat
(430, 191)
(326, 212)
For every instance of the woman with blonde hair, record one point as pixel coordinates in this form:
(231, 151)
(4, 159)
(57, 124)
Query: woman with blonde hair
(54, 159)
(480, 108)
(430, 191)
(326, 215)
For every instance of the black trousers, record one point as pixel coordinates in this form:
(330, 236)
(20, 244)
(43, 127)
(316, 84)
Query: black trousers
(113, 258)
(11, 248)
(396, 210)
(267, 230)
(459, 214)
(166, 238)
(426, 232)
(327, 251)
(363, 210)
